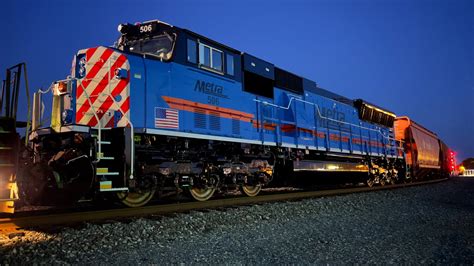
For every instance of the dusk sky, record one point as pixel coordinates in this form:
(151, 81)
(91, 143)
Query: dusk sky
(412, 57)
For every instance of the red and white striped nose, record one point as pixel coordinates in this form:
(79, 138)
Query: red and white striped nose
(103, 85)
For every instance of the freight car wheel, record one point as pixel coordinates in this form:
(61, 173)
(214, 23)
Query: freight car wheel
(251, 191)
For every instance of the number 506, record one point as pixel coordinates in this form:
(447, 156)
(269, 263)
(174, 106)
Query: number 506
(145, 28)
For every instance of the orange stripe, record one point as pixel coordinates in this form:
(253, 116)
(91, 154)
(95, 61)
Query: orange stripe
(266, 126)
(190, 106)
(306, 130)
(288, 128)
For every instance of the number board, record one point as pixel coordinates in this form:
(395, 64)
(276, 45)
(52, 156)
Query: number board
(146, 28)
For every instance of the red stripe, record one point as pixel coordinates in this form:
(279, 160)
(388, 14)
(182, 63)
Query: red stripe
(126, 105)
(109, 101)
(93, 71)
(93, 119)
(89, 53)
(104, 82)
(104, 108)
(110, 123)
(100, 87)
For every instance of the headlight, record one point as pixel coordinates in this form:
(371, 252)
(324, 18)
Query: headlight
(227, 170)
(67, 116)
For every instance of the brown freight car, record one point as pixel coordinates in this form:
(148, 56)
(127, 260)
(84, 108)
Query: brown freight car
(426, 154)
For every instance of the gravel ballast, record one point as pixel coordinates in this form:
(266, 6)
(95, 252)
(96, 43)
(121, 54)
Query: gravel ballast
(425, 224)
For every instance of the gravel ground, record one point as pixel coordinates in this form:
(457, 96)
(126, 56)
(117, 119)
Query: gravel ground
(428, 224)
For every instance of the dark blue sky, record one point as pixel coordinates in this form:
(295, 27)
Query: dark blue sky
(415, 58)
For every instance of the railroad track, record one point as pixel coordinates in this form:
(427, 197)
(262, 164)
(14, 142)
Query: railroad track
(17, 224)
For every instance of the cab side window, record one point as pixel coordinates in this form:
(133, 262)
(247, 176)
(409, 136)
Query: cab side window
(192, 50)
(230, 64)
(210, 57)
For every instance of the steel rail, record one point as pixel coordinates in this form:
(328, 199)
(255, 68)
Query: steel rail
(12, 225)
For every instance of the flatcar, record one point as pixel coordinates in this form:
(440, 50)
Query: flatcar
(168, 109)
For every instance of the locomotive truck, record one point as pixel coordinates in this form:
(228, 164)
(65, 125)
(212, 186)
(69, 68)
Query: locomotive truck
(167, 109)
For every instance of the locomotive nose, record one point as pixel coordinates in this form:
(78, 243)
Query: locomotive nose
(102, 90)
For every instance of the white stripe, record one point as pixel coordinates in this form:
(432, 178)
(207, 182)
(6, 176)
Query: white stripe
(165, 123)
(91, 62)
(166, 126)
(103, 95)
(123, 122)
(198, 136)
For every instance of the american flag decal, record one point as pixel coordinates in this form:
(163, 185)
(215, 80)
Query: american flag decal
(166, 118)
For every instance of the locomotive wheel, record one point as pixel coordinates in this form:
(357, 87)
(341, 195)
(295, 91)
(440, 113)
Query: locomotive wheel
(202, 194)
(370, 181)
(393, 179)
(251, 191)
(145, 191)
(136, 199)
(204, 187)
(382, 181)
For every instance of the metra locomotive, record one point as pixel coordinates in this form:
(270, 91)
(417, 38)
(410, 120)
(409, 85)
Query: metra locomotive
(168, 109)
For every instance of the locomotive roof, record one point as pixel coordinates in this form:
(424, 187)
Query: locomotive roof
(331, 95)
(310, 85)
(361, 101)
(202, 37)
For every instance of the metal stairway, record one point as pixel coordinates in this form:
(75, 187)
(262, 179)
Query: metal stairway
(9, 147)
(9, 137)
(110, 165)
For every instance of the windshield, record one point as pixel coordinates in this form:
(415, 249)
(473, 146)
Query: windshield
(160, 46)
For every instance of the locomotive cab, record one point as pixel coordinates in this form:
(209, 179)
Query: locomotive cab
(154, 38)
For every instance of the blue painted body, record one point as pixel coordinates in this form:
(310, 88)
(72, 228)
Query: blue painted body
(306, 116)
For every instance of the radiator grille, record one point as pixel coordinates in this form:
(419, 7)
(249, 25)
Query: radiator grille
(236, 126)
(200, 118)
(214, 121)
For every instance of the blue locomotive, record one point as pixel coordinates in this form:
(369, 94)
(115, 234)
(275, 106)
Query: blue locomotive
(167, 109)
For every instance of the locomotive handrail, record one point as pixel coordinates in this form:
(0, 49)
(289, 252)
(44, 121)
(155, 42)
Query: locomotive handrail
(49, 88)
(319, 114)
(132, 133)
(68, 79)
(99, 125)
(99, 129)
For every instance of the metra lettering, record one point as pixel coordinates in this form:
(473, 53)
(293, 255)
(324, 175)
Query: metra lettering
(209, 88)
(333, 114)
